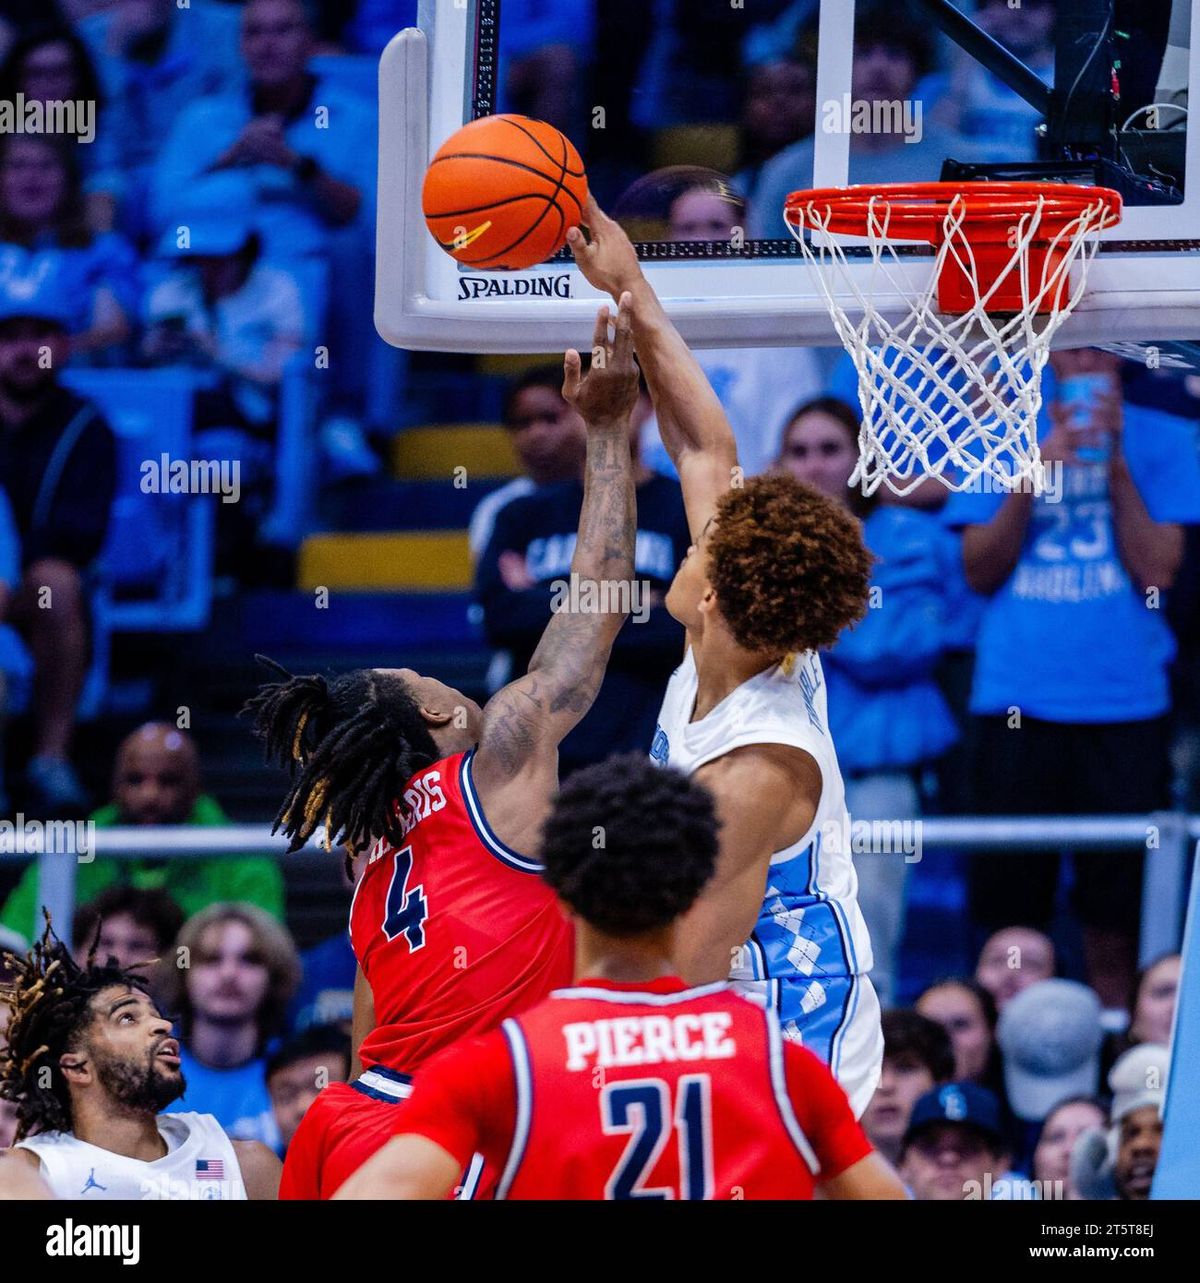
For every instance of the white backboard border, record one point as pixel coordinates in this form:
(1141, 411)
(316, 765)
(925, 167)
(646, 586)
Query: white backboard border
(1143, 285)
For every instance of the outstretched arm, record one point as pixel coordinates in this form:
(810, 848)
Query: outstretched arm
(517, 759)
(694, 427)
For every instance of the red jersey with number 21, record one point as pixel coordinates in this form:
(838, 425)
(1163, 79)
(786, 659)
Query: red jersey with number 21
(608, 1091)
(453, 930)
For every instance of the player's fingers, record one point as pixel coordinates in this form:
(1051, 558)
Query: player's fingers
(577, 241)
(599, 224)
(623, 344)
(572, 365)
(600, 333)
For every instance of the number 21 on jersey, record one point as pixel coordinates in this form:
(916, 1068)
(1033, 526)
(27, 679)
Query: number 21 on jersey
(642, 1108)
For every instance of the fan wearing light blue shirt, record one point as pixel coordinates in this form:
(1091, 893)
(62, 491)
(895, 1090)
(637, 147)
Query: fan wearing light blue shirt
(237, 972)
(889, 56)
(1071, 687)
(307, 147)
(154, 60)
(977, 104)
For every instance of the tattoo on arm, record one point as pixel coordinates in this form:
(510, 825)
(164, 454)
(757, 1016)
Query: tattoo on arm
(536, 712)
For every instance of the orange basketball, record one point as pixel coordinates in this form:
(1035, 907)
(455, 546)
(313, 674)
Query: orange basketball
(502, 192)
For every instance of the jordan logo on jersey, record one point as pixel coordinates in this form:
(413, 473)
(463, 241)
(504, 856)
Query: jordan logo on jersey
(92, 1183)
(660, 748)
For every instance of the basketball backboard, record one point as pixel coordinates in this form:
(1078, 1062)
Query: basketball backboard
(752, 287)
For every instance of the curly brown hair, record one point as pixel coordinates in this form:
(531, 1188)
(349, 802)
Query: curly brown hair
(789, 566)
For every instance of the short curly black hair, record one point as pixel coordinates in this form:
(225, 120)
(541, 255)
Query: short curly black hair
(789, 566)
(629, 845)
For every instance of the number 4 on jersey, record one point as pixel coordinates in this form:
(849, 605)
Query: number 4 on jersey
(406, 910)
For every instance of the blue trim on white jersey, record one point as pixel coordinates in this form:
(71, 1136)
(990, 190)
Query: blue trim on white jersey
(851, 1006)
(523, 1081)
(649, 999)
(769, 982)
(847, 939)
(505, 854)
(470, 1183)
(782, 1099)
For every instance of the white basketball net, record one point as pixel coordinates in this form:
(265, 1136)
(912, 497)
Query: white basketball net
(956, 397)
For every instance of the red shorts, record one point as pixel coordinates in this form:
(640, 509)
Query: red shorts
(342, 1128)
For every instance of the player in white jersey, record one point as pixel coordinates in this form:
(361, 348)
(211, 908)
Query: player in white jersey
(775, 572)
(89, 1064)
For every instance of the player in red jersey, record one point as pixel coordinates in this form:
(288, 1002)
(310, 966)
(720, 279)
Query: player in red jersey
(629, 1084)
(452, 927)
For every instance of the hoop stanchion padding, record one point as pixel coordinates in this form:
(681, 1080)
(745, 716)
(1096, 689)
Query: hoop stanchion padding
(953, 388)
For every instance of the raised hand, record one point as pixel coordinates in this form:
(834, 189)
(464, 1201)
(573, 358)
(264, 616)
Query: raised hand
(261, 142)
(1061, 442)
(608, 259)
(607, 394)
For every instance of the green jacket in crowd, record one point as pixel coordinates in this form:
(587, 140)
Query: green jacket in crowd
(192, 884)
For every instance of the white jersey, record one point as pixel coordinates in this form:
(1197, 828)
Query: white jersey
(200, 1163)
(809, 954)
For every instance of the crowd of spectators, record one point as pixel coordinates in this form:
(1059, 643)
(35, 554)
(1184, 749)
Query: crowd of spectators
(1010, 1083)
(1040, 1102)
(214, 181)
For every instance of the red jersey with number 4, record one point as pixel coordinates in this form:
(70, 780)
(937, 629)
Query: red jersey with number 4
(453, 930)
(610, 1091)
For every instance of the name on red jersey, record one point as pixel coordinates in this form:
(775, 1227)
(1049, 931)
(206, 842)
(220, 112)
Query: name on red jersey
(421, 799)
(649, 1040)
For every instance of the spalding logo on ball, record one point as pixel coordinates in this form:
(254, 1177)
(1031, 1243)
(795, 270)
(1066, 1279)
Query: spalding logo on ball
(503, 191)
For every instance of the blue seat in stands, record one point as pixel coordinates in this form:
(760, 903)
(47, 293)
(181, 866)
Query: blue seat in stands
(156, 568)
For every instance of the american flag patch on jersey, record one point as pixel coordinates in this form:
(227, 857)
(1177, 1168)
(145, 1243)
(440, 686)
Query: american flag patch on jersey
(210, 1169)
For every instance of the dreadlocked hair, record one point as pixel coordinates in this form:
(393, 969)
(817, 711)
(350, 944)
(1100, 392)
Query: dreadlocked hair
(350, 743)
(49, 1000)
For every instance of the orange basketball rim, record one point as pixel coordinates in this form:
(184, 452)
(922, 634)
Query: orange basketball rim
(994, 221)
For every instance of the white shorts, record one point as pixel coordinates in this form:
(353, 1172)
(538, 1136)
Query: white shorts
(842, 1028)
